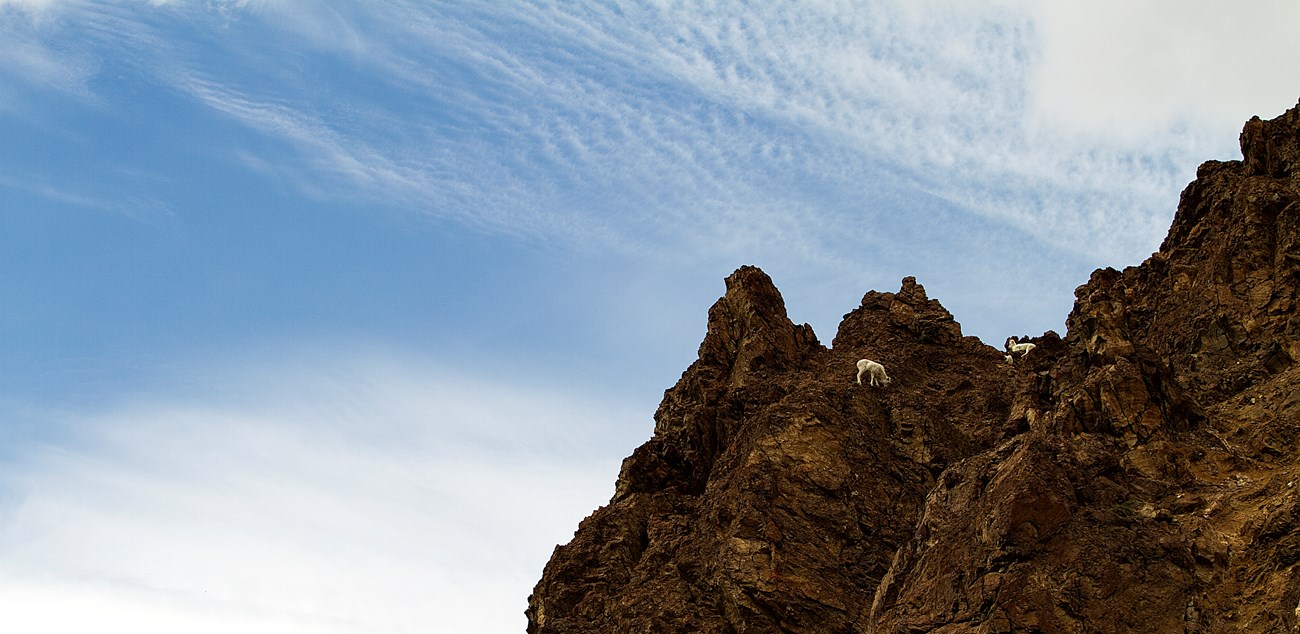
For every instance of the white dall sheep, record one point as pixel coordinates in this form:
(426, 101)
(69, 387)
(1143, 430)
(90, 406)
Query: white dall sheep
(874, 371)
(1021, 349)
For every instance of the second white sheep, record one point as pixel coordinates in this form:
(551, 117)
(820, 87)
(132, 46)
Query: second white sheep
(1021, 349)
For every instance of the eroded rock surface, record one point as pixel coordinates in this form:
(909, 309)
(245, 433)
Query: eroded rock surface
(1140, 474)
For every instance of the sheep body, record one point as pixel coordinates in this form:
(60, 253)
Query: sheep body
(875, 373)
(1018, 348)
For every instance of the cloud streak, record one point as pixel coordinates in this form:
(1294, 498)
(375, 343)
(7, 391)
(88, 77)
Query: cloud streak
(645, 125)
(847, 144)
(372, 496)
(623, 124)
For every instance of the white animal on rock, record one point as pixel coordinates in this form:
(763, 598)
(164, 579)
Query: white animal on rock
(1008, 357)
(1018, 348)
(874, 371)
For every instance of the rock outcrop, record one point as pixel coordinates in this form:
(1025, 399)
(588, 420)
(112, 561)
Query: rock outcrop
(1140, 474)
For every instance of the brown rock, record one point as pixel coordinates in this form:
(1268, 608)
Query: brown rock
(1140, 474)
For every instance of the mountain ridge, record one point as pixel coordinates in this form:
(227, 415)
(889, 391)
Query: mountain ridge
(1138, 474)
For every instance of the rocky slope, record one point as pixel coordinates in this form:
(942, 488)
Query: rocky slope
(1141, 474)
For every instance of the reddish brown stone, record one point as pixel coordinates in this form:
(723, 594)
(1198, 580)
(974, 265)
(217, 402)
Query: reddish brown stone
(1140, 474)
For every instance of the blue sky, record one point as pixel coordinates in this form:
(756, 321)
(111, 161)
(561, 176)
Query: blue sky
(337, 317)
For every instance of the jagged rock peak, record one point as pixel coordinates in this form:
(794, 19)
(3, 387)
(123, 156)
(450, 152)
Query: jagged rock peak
(1155, 491)
(1272, 148)
(749, 339)
(1255, 189)
(1233, 245)
(776, 489)
(749, 330)
(911, 292)
(890, 319)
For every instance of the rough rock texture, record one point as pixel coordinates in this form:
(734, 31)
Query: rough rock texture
(1141, 474)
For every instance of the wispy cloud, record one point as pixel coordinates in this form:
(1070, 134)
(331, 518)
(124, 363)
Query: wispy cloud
(372, 496)
(146, 210)
(547, 117)
(28, 4)
(31, 64)
(710, 100)
(646, 125)
(813, 137)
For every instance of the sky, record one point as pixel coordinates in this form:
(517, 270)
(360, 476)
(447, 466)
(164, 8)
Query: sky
(325, 316)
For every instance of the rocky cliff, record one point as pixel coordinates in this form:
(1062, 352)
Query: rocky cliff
(1139, 474)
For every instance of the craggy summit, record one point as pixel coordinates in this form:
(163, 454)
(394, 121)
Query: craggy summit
(1141, 474)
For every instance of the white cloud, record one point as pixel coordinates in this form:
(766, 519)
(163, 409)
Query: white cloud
(28, 4)
(678, 115)
(803, 137)
(649, 125)
(31, 62)
(47, 4)
(353, 497)
(57, 607)
(1126, 70)
(671, 126)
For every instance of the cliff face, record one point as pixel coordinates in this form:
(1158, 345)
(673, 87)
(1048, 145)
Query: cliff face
(1140, 474)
